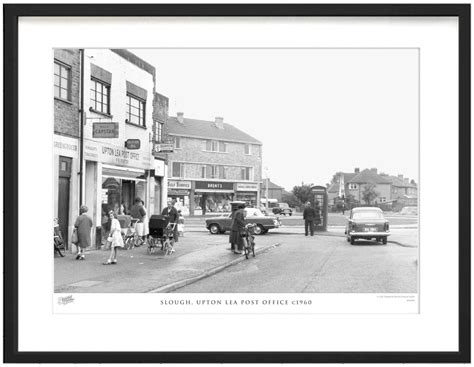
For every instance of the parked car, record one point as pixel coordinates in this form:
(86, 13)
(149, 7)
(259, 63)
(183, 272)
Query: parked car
(409, 210)
(367, 223)
(223, 223)
(282, 208)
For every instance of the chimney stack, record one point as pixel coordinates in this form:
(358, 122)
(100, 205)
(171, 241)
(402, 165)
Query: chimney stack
(219, 121)
(400, 177)
(374, 170)
(180, 116)
(407, 180)
(356, 170)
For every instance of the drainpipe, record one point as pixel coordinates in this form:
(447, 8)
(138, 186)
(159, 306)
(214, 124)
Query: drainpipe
(81, 145)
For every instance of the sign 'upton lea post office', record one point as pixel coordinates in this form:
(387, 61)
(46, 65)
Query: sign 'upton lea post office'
(105, 130)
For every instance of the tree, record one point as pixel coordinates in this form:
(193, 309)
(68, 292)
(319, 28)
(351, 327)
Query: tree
(369, 194)
(290, 199)
(303, 192)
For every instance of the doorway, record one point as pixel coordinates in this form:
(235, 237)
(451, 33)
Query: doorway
(63, 196)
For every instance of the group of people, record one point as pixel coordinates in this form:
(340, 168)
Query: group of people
(111, 225)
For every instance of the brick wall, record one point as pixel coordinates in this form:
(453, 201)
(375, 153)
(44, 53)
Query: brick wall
(66, 113)
(192, 153)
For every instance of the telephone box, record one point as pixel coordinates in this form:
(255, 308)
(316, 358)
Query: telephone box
(320, 203)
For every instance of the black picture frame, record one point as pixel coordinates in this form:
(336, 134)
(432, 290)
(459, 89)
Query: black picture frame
(11, 221)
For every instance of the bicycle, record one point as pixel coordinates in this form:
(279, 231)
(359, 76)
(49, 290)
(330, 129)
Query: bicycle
(58, 240)
(168, 236)
(249, 239)
(131, 238)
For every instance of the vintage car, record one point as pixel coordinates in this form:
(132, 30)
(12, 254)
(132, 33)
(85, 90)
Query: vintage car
(282, 208)
(367, 223)
(223, 223)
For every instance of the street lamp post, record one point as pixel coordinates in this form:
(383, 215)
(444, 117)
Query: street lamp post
(266, 189)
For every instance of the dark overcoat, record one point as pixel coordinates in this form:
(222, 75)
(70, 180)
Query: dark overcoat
(84, 225)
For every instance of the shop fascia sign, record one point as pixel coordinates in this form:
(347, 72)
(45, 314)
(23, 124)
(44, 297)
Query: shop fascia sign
(247, 187)
(105, 130)
(164, 148)
(207, 185)
(185, 185)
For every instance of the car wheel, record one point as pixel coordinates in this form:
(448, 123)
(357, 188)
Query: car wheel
(259, 230)
(352, 241)
(291, 214)
(384, 240)
(214, 229)
(348, 239)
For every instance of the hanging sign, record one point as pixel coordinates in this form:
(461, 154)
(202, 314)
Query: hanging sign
(105, 130)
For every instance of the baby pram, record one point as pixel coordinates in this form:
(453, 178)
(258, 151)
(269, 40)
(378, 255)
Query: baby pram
(161, 234)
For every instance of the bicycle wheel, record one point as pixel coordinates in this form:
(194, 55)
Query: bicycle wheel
(128, 243)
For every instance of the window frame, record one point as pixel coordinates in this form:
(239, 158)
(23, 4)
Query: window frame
(104, 86)
(181, 169)
(68, 80)
(249, 147)
(142, 103)
(159, 131)
(177, 142)
(353, 186)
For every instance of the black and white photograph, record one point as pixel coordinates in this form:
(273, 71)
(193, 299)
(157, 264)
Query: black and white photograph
(237, 183)
(285, 170)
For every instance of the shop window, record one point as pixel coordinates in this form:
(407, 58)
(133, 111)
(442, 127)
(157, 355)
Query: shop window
(177, 169)
(62, 81)
(135, 111)
(100, 96)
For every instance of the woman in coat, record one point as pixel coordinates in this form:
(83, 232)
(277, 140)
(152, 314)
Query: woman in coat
(83, 226)
(115, 238)
(238, 224)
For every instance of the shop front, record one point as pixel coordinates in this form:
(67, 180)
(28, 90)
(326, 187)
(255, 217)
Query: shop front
(180, 192)
(248, 192)
(212, 197)
(114, 177)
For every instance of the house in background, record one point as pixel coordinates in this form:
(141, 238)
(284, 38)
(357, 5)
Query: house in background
(393, 191)
(274, 191)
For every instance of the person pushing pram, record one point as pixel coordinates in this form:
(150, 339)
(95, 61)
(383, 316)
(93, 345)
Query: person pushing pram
(172, 215)
(164, 228)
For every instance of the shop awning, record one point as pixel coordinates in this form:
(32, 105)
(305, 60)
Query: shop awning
(123, 173)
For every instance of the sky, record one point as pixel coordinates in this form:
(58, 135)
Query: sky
(316, 111)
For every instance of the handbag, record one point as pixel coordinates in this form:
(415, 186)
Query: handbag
(74, 237)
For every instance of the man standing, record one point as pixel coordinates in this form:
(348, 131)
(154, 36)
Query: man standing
(309, 215)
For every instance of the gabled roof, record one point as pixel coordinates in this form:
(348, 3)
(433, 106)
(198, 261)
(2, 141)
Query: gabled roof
(368, 176)
(272, 185)
(398, 182)
(333, 188)
(208, 130)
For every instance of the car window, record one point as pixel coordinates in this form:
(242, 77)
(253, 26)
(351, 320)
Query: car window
(367, 215)
(253, 212)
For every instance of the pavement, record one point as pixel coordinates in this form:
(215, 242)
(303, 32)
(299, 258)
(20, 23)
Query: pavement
(198, 255)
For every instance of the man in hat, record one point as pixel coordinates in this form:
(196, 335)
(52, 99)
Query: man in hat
(309, 215)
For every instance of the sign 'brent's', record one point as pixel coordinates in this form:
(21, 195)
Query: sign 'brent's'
(105, 130)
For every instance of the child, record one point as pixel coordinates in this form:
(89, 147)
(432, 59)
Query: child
(180, 224)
